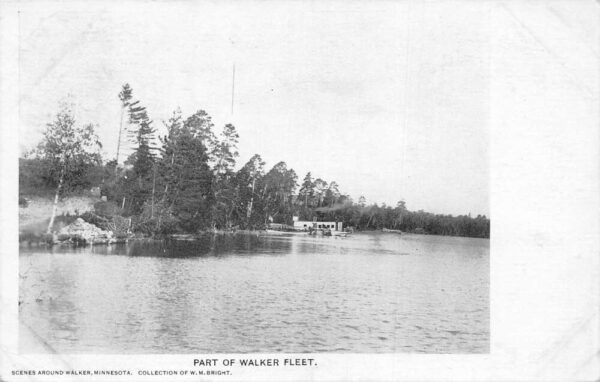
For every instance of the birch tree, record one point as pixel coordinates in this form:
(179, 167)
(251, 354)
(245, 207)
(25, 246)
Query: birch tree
(247, 179)
(66, 147)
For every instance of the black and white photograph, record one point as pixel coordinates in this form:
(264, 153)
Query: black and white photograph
(301, 181)
(277, 177)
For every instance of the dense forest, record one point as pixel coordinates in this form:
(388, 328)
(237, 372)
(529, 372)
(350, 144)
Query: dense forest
(186, 181)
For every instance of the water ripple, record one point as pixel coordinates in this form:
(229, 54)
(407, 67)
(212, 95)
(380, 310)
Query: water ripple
(366, 293)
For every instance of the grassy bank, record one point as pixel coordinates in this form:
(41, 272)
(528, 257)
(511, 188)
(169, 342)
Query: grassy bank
(34, 216)
(35, 211)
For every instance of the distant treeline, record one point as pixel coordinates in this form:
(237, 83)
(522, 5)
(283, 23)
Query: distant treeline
(186, 181)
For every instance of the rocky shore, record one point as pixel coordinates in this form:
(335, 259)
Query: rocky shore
(81, 232)
(78, 232)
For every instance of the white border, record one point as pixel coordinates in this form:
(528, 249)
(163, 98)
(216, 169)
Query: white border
(544, 252)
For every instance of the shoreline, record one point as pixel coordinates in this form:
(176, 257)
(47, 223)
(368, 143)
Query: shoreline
(48, 240)
(51, 240)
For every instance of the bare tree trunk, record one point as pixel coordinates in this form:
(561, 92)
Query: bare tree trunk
(60, 183)
(153, 188)
(251, 200)
(164, 196)
(158, 222)
(167, 182)
(228, 218)
(119, 141)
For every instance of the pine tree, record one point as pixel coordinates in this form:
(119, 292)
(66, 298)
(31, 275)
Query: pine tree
(362, 201)
(225, 151)
(185, 176)
(332, 194)
(200, 126)
(307, 189)
(166, 173)
(144, 155)
(320, 189)
(278, 186)
(139, 183)
(192, 196)
(125, 98)
(225, 195)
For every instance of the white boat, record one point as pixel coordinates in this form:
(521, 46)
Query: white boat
(320, 232)
(392, 231)
(340, 233)
(276, 232)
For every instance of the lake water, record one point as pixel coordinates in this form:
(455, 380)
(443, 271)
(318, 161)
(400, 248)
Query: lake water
(367, 293)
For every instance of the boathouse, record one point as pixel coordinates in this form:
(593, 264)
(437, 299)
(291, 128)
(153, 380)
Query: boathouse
(304, 225)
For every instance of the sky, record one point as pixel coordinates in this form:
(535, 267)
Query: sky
(388, 99)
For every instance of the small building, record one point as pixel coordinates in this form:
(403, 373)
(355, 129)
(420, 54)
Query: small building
(304, 225)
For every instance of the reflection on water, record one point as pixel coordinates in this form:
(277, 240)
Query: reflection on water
(369, 293)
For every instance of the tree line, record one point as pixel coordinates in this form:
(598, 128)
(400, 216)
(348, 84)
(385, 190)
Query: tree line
(186, 180)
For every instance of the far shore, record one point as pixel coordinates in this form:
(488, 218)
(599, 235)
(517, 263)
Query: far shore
(48, 240)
